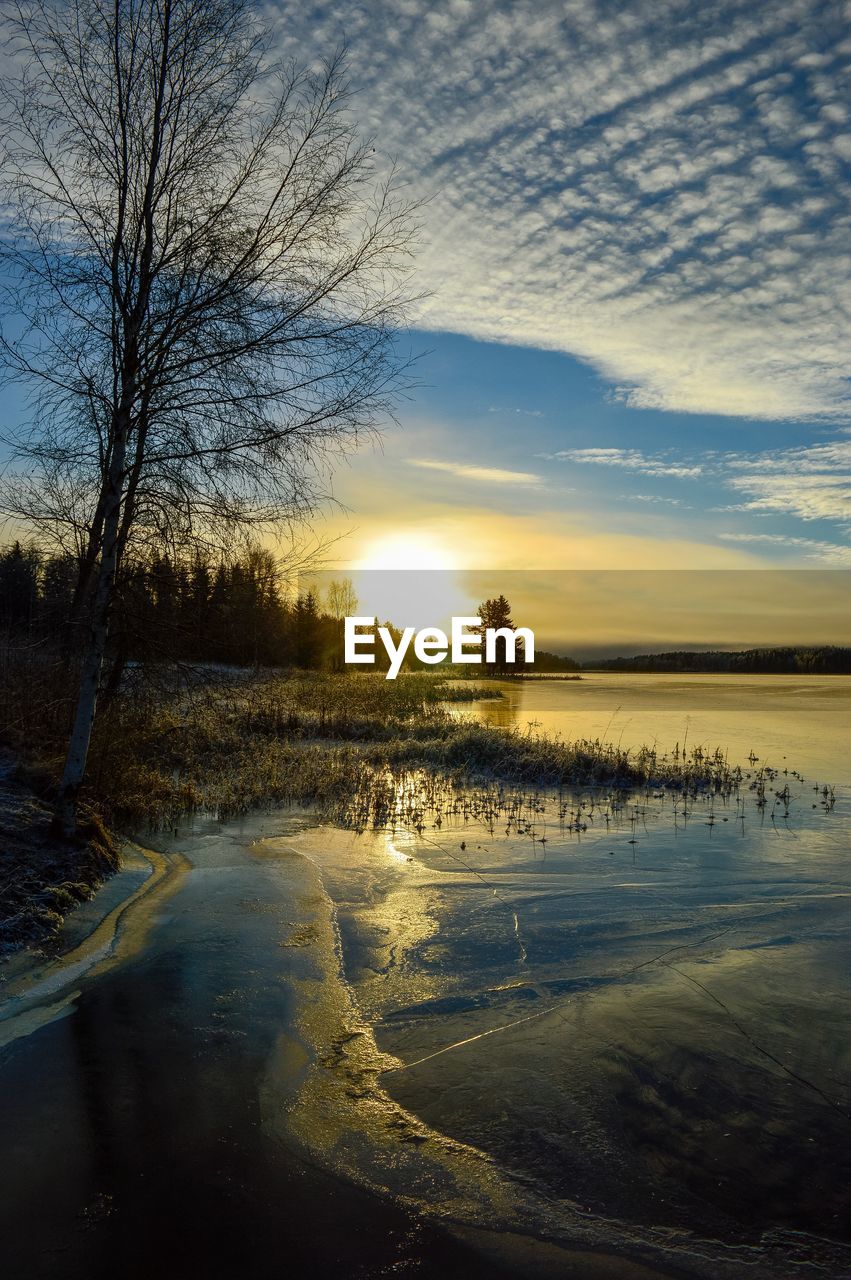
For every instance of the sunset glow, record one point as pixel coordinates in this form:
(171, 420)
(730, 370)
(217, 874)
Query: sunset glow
(407, 551)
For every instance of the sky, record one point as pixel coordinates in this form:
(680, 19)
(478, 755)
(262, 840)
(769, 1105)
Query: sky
(636, 246)
(632, 339)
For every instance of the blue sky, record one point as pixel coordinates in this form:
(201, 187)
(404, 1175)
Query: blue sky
(514, 457)
(636, 251)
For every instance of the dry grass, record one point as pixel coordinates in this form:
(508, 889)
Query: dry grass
(320, 740)
(43, 876)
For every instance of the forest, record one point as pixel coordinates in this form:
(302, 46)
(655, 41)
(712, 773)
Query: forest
(243, 612)
(823, 660)
(240, 612)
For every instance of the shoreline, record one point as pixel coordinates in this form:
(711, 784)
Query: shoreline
(270, 741)
(44, 876)
(98, 934)
(274, 740)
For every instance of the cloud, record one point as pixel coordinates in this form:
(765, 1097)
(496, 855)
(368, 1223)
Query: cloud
(525, 413)
(807, 497)
(629, 459)
(825, 552)
(660, 189)
(481, 475)
(475, 536)
(650, 497)
(810, 482)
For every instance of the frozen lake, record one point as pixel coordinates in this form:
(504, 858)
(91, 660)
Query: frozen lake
(566, 1033)
(807, 719)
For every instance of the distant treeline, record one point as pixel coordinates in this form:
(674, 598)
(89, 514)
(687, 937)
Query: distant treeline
(552, 663)
(243, 612)
(237, 612)
(822, 660)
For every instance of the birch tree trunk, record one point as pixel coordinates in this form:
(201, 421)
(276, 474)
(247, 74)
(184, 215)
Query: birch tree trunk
(90, 676)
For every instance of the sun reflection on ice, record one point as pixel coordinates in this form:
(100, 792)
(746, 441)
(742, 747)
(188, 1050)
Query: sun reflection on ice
(395, 853)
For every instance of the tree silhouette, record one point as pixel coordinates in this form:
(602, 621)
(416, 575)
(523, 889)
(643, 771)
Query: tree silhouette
(207, 275)
(496, 613)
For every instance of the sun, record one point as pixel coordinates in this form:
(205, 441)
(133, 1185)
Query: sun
(411, 579)
(406, 551)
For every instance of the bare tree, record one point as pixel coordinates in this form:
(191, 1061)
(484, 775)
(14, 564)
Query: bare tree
(341, 598)
(207, 273)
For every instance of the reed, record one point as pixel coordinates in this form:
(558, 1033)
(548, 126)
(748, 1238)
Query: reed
(323, 741)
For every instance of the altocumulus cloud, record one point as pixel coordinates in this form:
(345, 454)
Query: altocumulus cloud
(659, 187)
